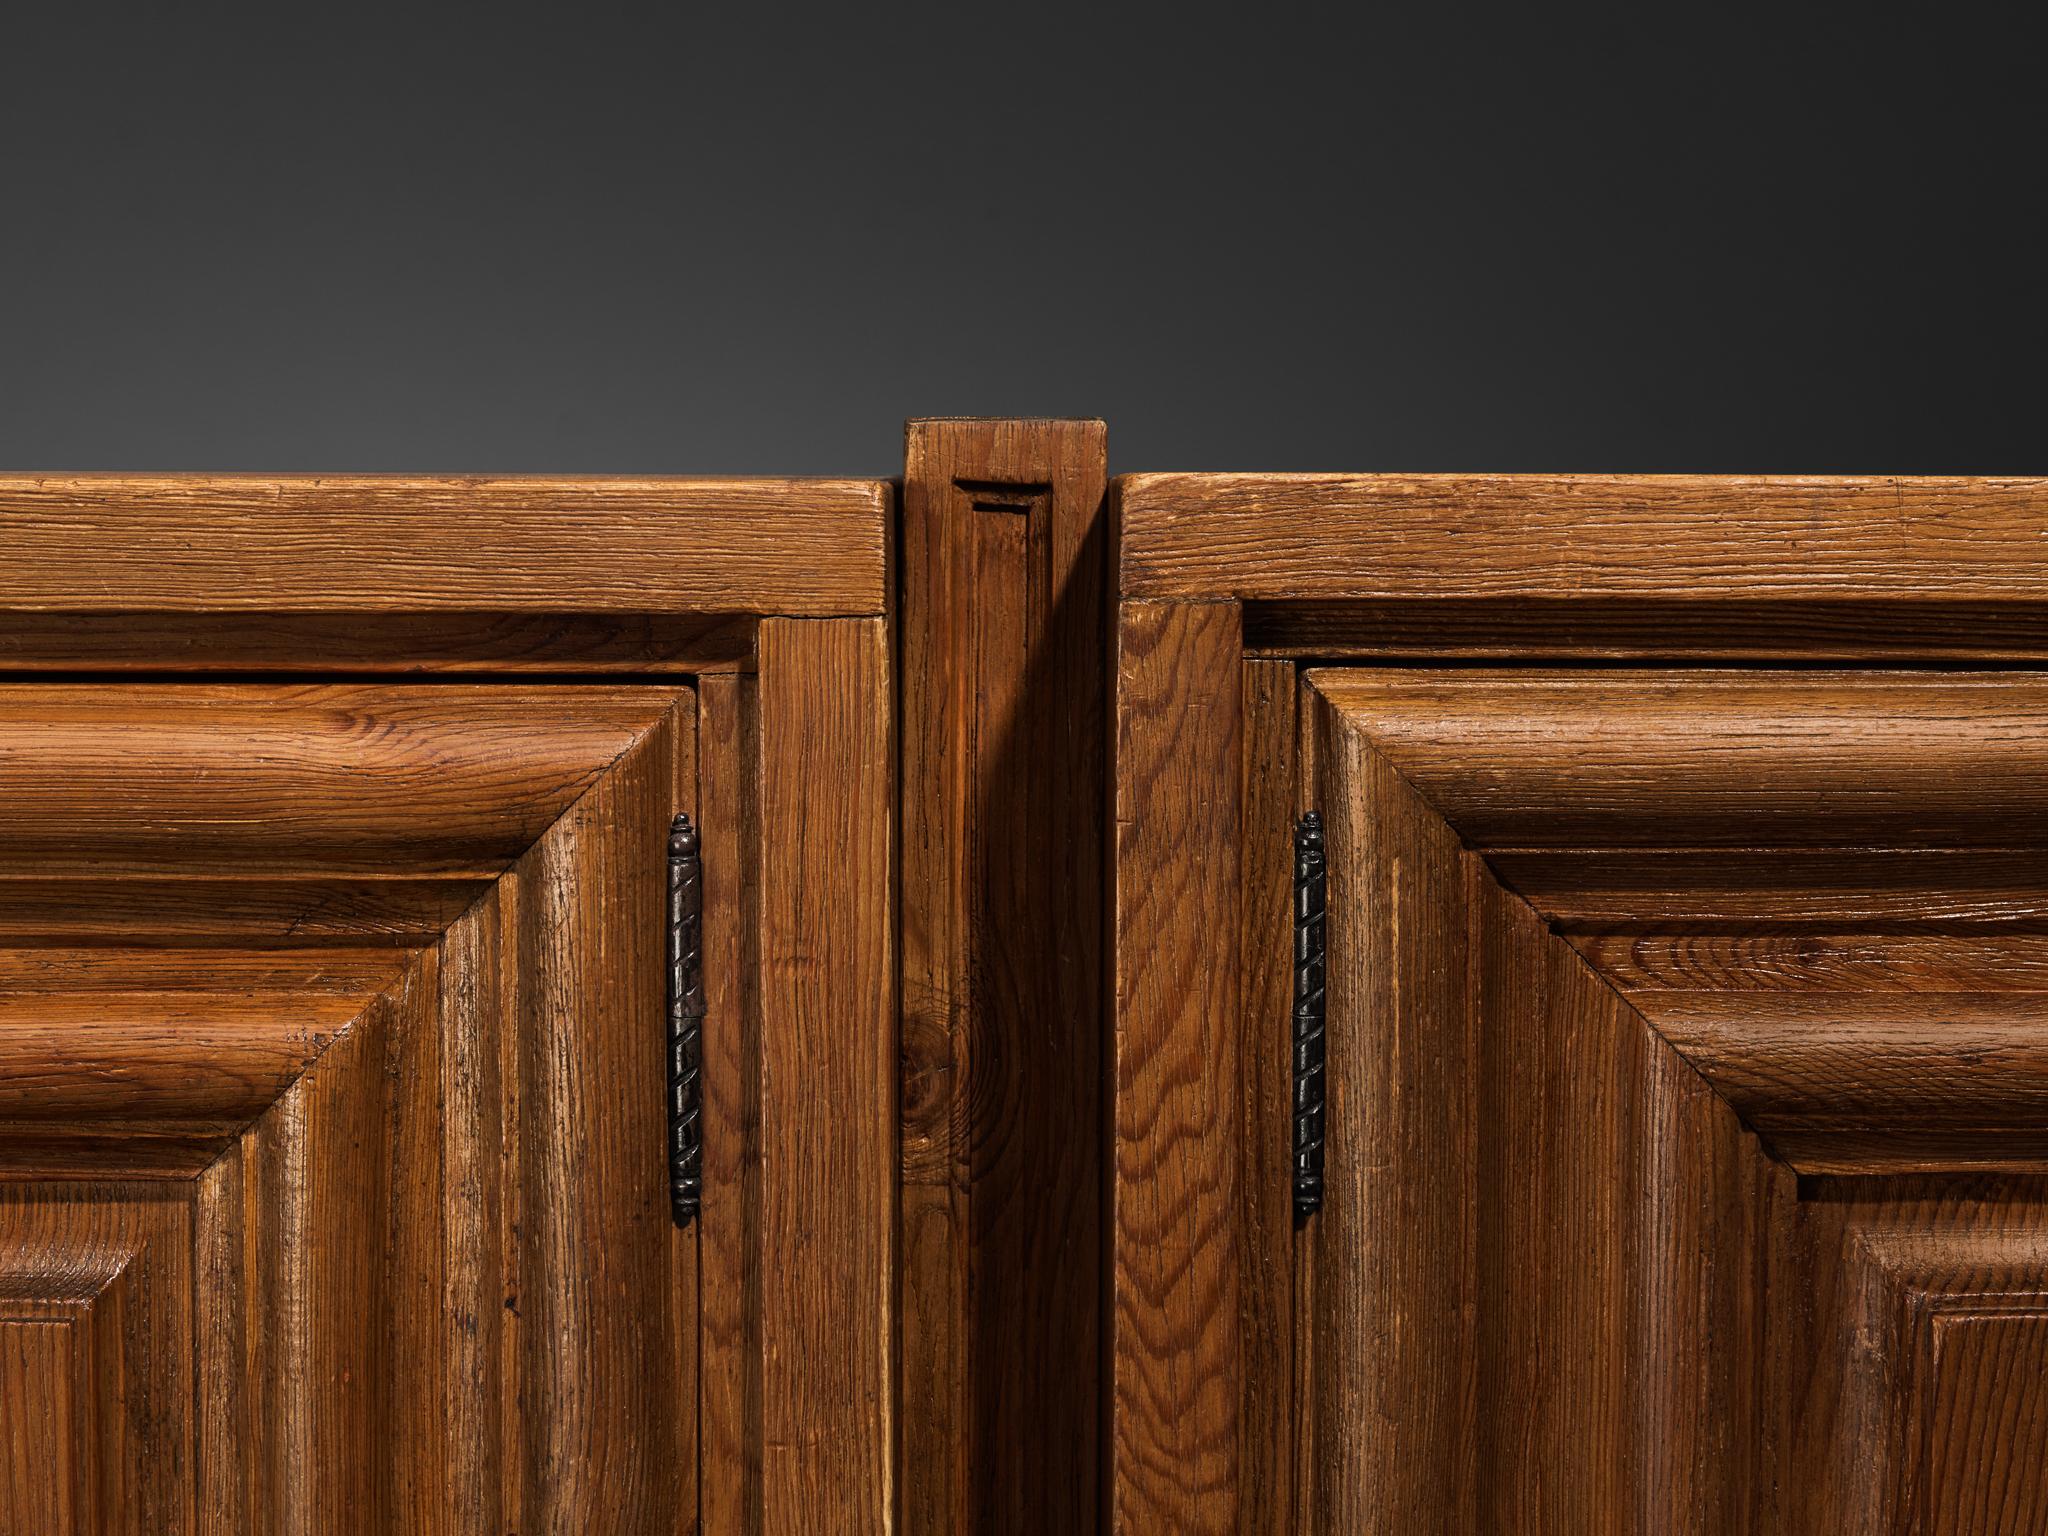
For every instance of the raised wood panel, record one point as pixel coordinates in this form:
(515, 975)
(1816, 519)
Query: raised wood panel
(1624, 1217)
(284, 911)
(95, 1359)
(1837, 1081)
(1649, 962)
(1701, 758)
(1813, 890)
(194, 778)
(476, 544)
(1732, 1196)
(142, 1063)
(435, 1284)
(1533, 1257)
(461, 1115)
(1608, 800)
(441, 1266)
(315, 1179)
(1376, 1253)
(39, 1446)
(1894, 1433)
(1688, 1019)
(595, 1269)
(1982, 1398)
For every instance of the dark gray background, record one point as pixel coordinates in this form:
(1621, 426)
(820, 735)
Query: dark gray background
(1424, 237)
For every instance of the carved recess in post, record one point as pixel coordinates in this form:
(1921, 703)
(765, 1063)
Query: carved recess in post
(1017, 497)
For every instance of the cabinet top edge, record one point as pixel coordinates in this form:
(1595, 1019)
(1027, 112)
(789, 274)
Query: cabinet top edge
(1580, 539)
(438, 543)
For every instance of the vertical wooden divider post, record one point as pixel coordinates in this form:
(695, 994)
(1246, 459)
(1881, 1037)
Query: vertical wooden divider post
(1002, 618)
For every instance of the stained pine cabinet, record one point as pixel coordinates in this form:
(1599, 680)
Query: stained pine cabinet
(1622, 1106)
(340, 1076)
(1470, 1004)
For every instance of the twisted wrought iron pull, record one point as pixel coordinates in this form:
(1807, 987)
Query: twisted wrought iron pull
(1309, 898)
(685, 1022)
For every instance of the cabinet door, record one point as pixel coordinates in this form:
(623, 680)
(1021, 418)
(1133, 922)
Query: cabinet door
(1678, 1033)
(336, 934)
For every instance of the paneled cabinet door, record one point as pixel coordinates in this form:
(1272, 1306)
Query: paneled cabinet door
(1625, 1108)
(336, 1093)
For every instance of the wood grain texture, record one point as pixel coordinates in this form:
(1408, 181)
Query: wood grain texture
(1841, 1081)
(230, 911)
(1274, 1250)
(317, 1176)
(1645, 963)
(1685, 1163)
(730, 1224)
(1850, 994)
(1900, 803)
(1002, 624)
(1593, 565)
(457, 1113)
(362, 966)
(297, 780)
(478, 544)
(442, 1287)
(1914, 1368)
(338, 1316)
(1175, 1346)
(433, 1279)
(95, 1359)
(1793, 891)
(593, 1274)
(1541, 1228)
(39, 1473)
(1985, 1401)
(1703, 758)
(127, 1061)
(1396, 1244)
(828, 1064)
